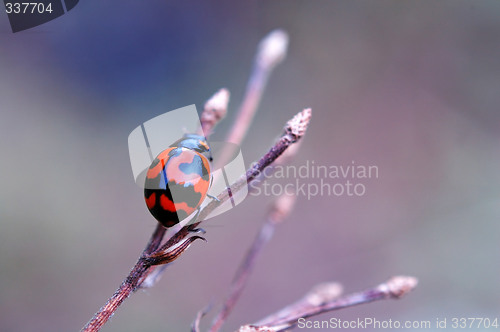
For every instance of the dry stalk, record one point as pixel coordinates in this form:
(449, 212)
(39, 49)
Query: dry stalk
(394, 288)
(279, 211)
(272, 51)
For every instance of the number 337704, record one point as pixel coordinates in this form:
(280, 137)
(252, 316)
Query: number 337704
(27, 8)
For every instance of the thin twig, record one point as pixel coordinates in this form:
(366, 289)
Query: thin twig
(128, 285)
(319, 294)
(284, 159)
(394, 288)
(278, 213)
(293, 132)
(272, 51)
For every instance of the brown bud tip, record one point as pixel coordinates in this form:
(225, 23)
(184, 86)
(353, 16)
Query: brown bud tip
(398, 286)
(297, 126)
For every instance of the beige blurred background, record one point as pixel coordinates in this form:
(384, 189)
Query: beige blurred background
(412, 87)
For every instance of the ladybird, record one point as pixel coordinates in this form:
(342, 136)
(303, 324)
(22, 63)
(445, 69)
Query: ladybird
(178, 180)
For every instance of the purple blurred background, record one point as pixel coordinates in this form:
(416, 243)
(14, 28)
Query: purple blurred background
(412, 87)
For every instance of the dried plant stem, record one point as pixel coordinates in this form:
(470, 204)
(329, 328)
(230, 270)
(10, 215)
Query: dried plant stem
(394, 288)
(124, 291)
(294, 130)
(278, 212)
(272, 51)
(319, 294)
(130, 284)
(240, 280)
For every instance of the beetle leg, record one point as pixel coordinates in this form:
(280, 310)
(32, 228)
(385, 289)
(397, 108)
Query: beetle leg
(213, 197)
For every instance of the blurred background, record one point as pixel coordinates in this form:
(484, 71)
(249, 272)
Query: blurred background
(411, 87)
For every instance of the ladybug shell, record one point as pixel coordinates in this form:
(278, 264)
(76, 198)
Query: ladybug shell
(176, 184)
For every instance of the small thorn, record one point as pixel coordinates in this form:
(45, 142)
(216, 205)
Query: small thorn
(198, 231)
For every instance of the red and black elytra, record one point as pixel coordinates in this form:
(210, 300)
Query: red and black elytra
(178, 180)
